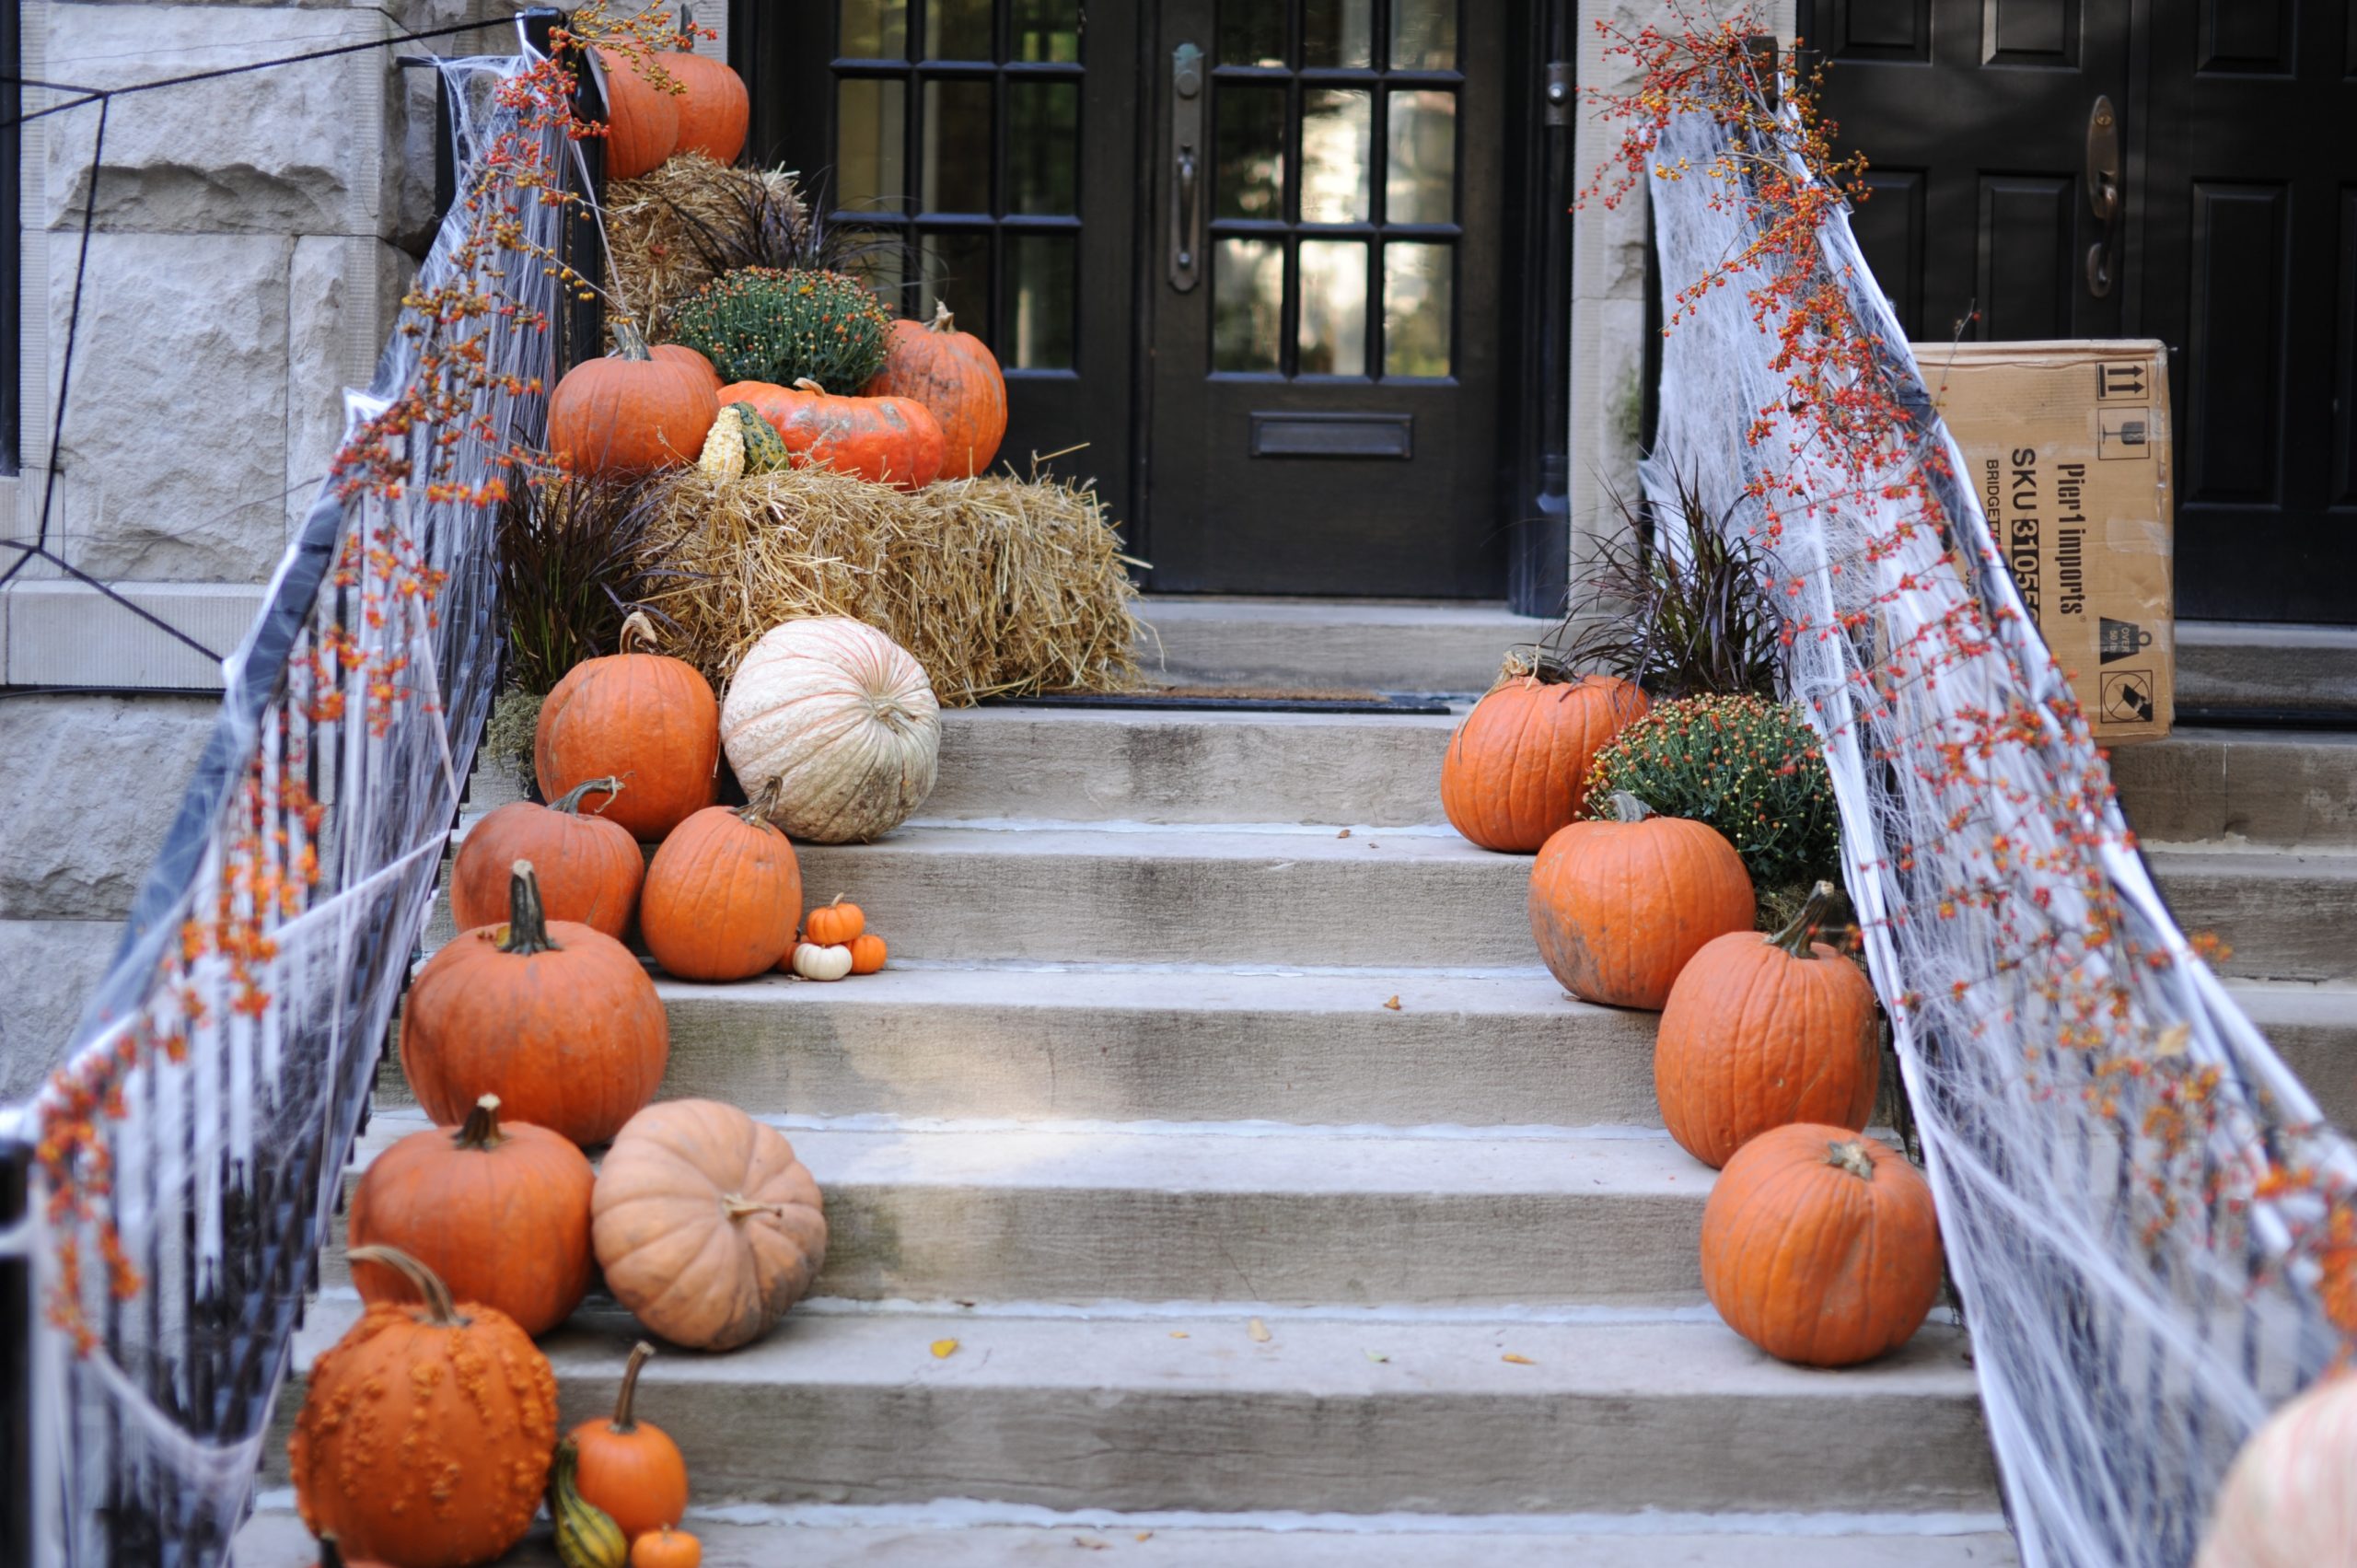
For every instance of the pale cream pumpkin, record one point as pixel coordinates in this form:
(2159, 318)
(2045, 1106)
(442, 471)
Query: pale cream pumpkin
(813, 961)
(2290, 1499)
(843, 719)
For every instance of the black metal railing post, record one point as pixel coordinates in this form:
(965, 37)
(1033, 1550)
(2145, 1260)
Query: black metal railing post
(17, 1319)
(581, 322)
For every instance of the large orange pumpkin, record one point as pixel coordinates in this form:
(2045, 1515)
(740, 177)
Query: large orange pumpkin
(723, 895)
(1763, 1030)
(1517, 769)
(426, 1434)
(715, 112)
(500, 1213)
(1820, 1247)
(645, 717)
(706, 1226)
(892, 441)
(643, 119)
(680, 354)
(1617, 907)
(956, 377)
(559, 1020)
(590, 868)
(630, 412)
(628, 1467)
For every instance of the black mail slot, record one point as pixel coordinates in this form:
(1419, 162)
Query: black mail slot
(1333, 434)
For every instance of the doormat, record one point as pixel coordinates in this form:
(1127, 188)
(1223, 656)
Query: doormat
(1239, 699)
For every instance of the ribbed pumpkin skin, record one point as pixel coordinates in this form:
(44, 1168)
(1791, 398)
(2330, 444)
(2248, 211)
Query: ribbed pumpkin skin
(1517, 769)
(1815, 1264)
(423, 1446)
(573, 1040)
(644, 124)
(648, 719)
(716, 109)
(507, 1225)
(590, 867)
(957, 378)
(706, 1224)
(1618, 908)
(1754, 1038)
(845, 722)
(628, 1467)
(893, 441)
(629, 414)
(2287, 1502)
(722, 897)
(680, 354)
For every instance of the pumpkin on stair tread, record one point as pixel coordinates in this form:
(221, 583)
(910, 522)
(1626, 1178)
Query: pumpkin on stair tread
(722, 894)
(1517, 769)
(628, 1467)
(590, 867)
(834, 923)
(640, 716)
(1618, 906)
(867, 953)
(845, 721)
(813, 961)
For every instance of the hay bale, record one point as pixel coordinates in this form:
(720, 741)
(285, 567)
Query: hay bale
(676, 229)
(1000, 587)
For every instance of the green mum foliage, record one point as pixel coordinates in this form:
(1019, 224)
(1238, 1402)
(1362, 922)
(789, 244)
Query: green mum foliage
(1746, 766)
(760, 324)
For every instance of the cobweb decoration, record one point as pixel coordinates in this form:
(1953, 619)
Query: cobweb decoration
(223, 1069)
(2147, 1220)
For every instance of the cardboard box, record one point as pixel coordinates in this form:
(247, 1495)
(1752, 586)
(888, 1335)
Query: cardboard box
(2067, 445)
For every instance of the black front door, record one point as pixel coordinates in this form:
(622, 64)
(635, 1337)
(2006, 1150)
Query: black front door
(2233, 239)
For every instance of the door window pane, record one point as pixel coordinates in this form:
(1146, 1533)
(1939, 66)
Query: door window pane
(1416, 308)
(1422, 182)
(957, 29)
(1248, 304)
(876, 260)
(957, 272)
(1251, 144)
(1333, 308)
(1334, 131)
(870, 129)
(1041, 300)
(958, 147)
(875, 29)
(1043, 147)
(1252, 32)
(1424, 35)
(1046, 30)
(1338, 32)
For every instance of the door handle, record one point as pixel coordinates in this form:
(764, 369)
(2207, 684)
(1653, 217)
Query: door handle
(2104, 193)
(1185, 166)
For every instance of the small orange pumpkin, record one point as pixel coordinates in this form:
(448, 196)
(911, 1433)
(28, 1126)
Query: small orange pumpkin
(425, 1432)
(1763, 1030)
(1821, 1246)
(1517, 769)
(590, 868)
(631, 1467)
(501, 1214)
(1617, 907)
(645, 717)
(833, 924)
(956, 377)
(723, 895)
(630, 412)
(643, 119)
(715, 112)
(867, 953)
(892, 441)
(667, 1548)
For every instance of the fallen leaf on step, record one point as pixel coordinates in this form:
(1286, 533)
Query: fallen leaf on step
(1177, 1333)
(2174, 1039)
(1343, 834)
(1372, 1356)
(1092, 1545)
(1258, 1330)
(944, 1349)
(1393, 1004)
(1517, 1360)
(1145, 1535)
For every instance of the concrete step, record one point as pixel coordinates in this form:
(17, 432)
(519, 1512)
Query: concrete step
(1079, 1212)
(2266, 787)
(2288, 914)
(1362, 1414)
(2314, 1029)
(1377, 644)
(960, 1534)
(2229, 667)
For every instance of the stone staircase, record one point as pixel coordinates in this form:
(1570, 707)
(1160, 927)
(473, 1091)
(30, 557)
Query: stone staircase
(1282, 1209)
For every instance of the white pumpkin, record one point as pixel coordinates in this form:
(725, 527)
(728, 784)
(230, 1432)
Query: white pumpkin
(813, 962)
(844, 718)
(2290, 1499)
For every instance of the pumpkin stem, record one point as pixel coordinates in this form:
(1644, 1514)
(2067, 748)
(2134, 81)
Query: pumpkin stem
(625, 1423)
(736, 1206)
(629, 341)
(637, 628)
(1795, 938)
(439, 1310)
(943, 321)
(804, 384)
(1530, 662)
(570, 803)
(481, 1133)
(1851, 1155)
(1627, 807)
(756, 811)
(527, 920)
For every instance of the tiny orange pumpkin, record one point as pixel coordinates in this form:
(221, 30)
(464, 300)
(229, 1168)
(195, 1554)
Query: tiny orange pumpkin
(867, 953)
(833, 924)
(667, 1548)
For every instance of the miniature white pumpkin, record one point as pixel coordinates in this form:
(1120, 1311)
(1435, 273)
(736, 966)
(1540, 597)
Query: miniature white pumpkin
(814, 963)
(844, 718)
(2290, 1499)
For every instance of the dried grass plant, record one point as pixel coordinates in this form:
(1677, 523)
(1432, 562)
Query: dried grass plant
(575, 558)
(692, 219)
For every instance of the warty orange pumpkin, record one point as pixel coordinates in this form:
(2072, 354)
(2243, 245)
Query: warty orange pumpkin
(642, 716)
(1763, 1030)
(632, 412)
(590, 867)
(723, 895)
(642, 120)
(958, 380)
(893, 441)
(559, 1020)
(1618, 906)
(1517, 769)
(628, 1467)
(1820, 1246)
(425, 1431)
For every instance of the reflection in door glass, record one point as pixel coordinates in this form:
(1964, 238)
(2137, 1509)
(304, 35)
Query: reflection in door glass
(1252, 32)
(1334, 131)
(1252, 147)
(875, 29)
(870, 172)
(1043, 147)
(957, 272)
(957, 29)
(1421, 186)
(1046, 30)
(1338, 32)
(957, 146)
(1416, 308)
(1041, 300)
(1333, 308)
(1248, 304)
(1424, 35)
